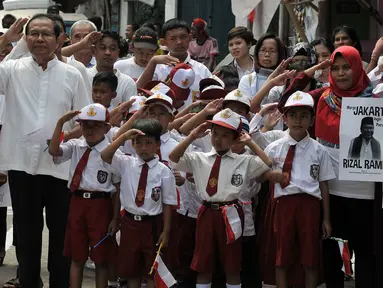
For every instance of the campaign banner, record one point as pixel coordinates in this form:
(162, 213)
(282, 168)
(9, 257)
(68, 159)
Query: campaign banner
(361, 135)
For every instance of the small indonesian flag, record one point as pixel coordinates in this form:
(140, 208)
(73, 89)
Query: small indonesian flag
(345, 253)
(233, 223)
(163, 277)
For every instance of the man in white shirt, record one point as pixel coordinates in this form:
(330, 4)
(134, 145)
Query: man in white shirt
(177, 37)
(106, 51)
(79, 31)
(144, 46)
(37, 91)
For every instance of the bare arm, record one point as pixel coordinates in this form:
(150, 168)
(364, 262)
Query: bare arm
(326, 226)
(180, 149)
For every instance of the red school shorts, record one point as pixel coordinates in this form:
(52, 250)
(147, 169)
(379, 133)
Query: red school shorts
(137, 249)
(88, 223)
(297, 222)
(211, 243)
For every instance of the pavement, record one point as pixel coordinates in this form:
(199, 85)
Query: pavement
(8, 270)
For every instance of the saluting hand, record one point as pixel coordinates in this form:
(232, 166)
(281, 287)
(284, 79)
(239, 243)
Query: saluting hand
(69, 116)
(213, 107)
(200, 131)
(91, 39)
(166, 59)
(133, 133)
(14, 33)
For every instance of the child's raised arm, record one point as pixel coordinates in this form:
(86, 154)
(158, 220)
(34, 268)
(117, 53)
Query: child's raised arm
(54, 145)
(108, 153)
(246, 138)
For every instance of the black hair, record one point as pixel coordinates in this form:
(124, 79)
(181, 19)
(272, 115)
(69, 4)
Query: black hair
(96, 20)
(135, 26)
(8, 20)
(124, 48)
(53, 10)
(282, 51)
(108, 78)
(230, 82)
(149, 25)
(58, 19)
(329, 45)
(111, 34)
(151, 127)
(243, 33)
(56, 26)
(351, 33)
(174, 24)
(228, 71)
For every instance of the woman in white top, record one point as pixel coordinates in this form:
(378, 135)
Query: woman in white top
(268, 54)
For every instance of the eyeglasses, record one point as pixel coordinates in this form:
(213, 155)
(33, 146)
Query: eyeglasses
(43, 34)
(265, 51)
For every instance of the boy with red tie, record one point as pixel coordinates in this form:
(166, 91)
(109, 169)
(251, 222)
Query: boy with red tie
(147, 192)
(91, 185)
(220, 176)
(307, 167)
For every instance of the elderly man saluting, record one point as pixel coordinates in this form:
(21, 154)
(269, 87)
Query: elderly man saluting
(37, 89)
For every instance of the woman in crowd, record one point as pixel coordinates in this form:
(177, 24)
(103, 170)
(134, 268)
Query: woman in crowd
(323, 50)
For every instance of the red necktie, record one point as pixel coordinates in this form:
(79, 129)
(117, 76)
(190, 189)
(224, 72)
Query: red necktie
(288, 165)
(212, 184)
(77, 175)
(140, 196)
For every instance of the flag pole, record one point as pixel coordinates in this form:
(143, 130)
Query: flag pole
(295, 20)
(158, 253)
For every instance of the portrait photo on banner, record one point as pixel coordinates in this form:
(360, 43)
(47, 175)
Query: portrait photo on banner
(361, 137)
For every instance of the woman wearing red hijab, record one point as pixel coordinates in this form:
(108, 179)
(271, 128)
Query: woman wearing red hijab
(351, 202)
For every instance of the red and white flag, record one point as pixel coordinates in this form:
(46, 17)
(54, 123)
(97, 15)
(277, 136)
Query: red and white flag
(233, 223)
(345, 253)
(163, 278)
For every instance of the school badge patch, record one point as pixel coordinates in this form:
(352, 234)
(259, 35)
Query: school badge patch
(156, 194)
(102, 176)
(236, 180)
(314, 171)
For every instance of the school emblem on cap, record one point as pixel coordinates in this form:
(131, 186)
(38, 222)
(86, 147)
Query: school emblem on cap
(158, 96)
(140, 195)
(213, 182)
(225, 114)
(314, 171)
(238, 94)
(142, 103)
(156, 88)
(92, 112)
(102, 176)
(185, 82)
(236, 180)
(156, 194)
(297, 97)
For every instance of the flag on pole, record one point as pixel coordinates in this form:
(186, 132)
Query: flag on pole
(345, 253)
(163, 278)
(232, 222)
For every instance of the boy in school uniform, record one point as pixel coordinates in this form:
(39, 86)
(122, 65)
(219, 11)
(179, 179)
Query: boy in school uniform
(307, 167)
(91, 184)
(147, 195)
(219, 176)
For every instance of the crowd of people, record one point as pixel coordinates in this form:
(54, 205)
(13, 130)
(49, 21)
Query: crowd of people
(233, 171)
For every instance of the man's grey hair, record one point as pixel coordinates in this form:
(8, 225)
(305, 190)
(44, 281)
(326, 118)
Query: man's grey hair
(82, 23)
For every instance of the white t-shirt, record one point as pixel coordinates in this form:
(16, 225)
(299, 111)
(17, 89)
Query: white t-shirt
(129, 67)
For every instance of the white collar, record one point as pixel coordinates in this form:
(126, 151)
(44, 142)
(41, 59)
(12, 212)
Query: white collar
(151, 163)
(228, 153)
(99, 147)
(165, 137)
(303, 143)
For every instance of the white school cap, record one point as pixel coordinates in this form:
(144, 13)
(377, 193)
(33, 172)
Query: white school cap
(299, 98)
(239, 96)
(161, 99)
(93, 112)
(228, 119)
(140, 101)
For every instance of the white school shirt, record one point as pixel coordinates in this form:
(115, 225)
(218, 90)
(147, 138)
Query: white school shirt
(96, 177)
(201, 72)
(129, 67)
(311, 165)
(35, 100)
(160, 186)
(21, 51)
(125, 89)
(234, 174)
(242, 73)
